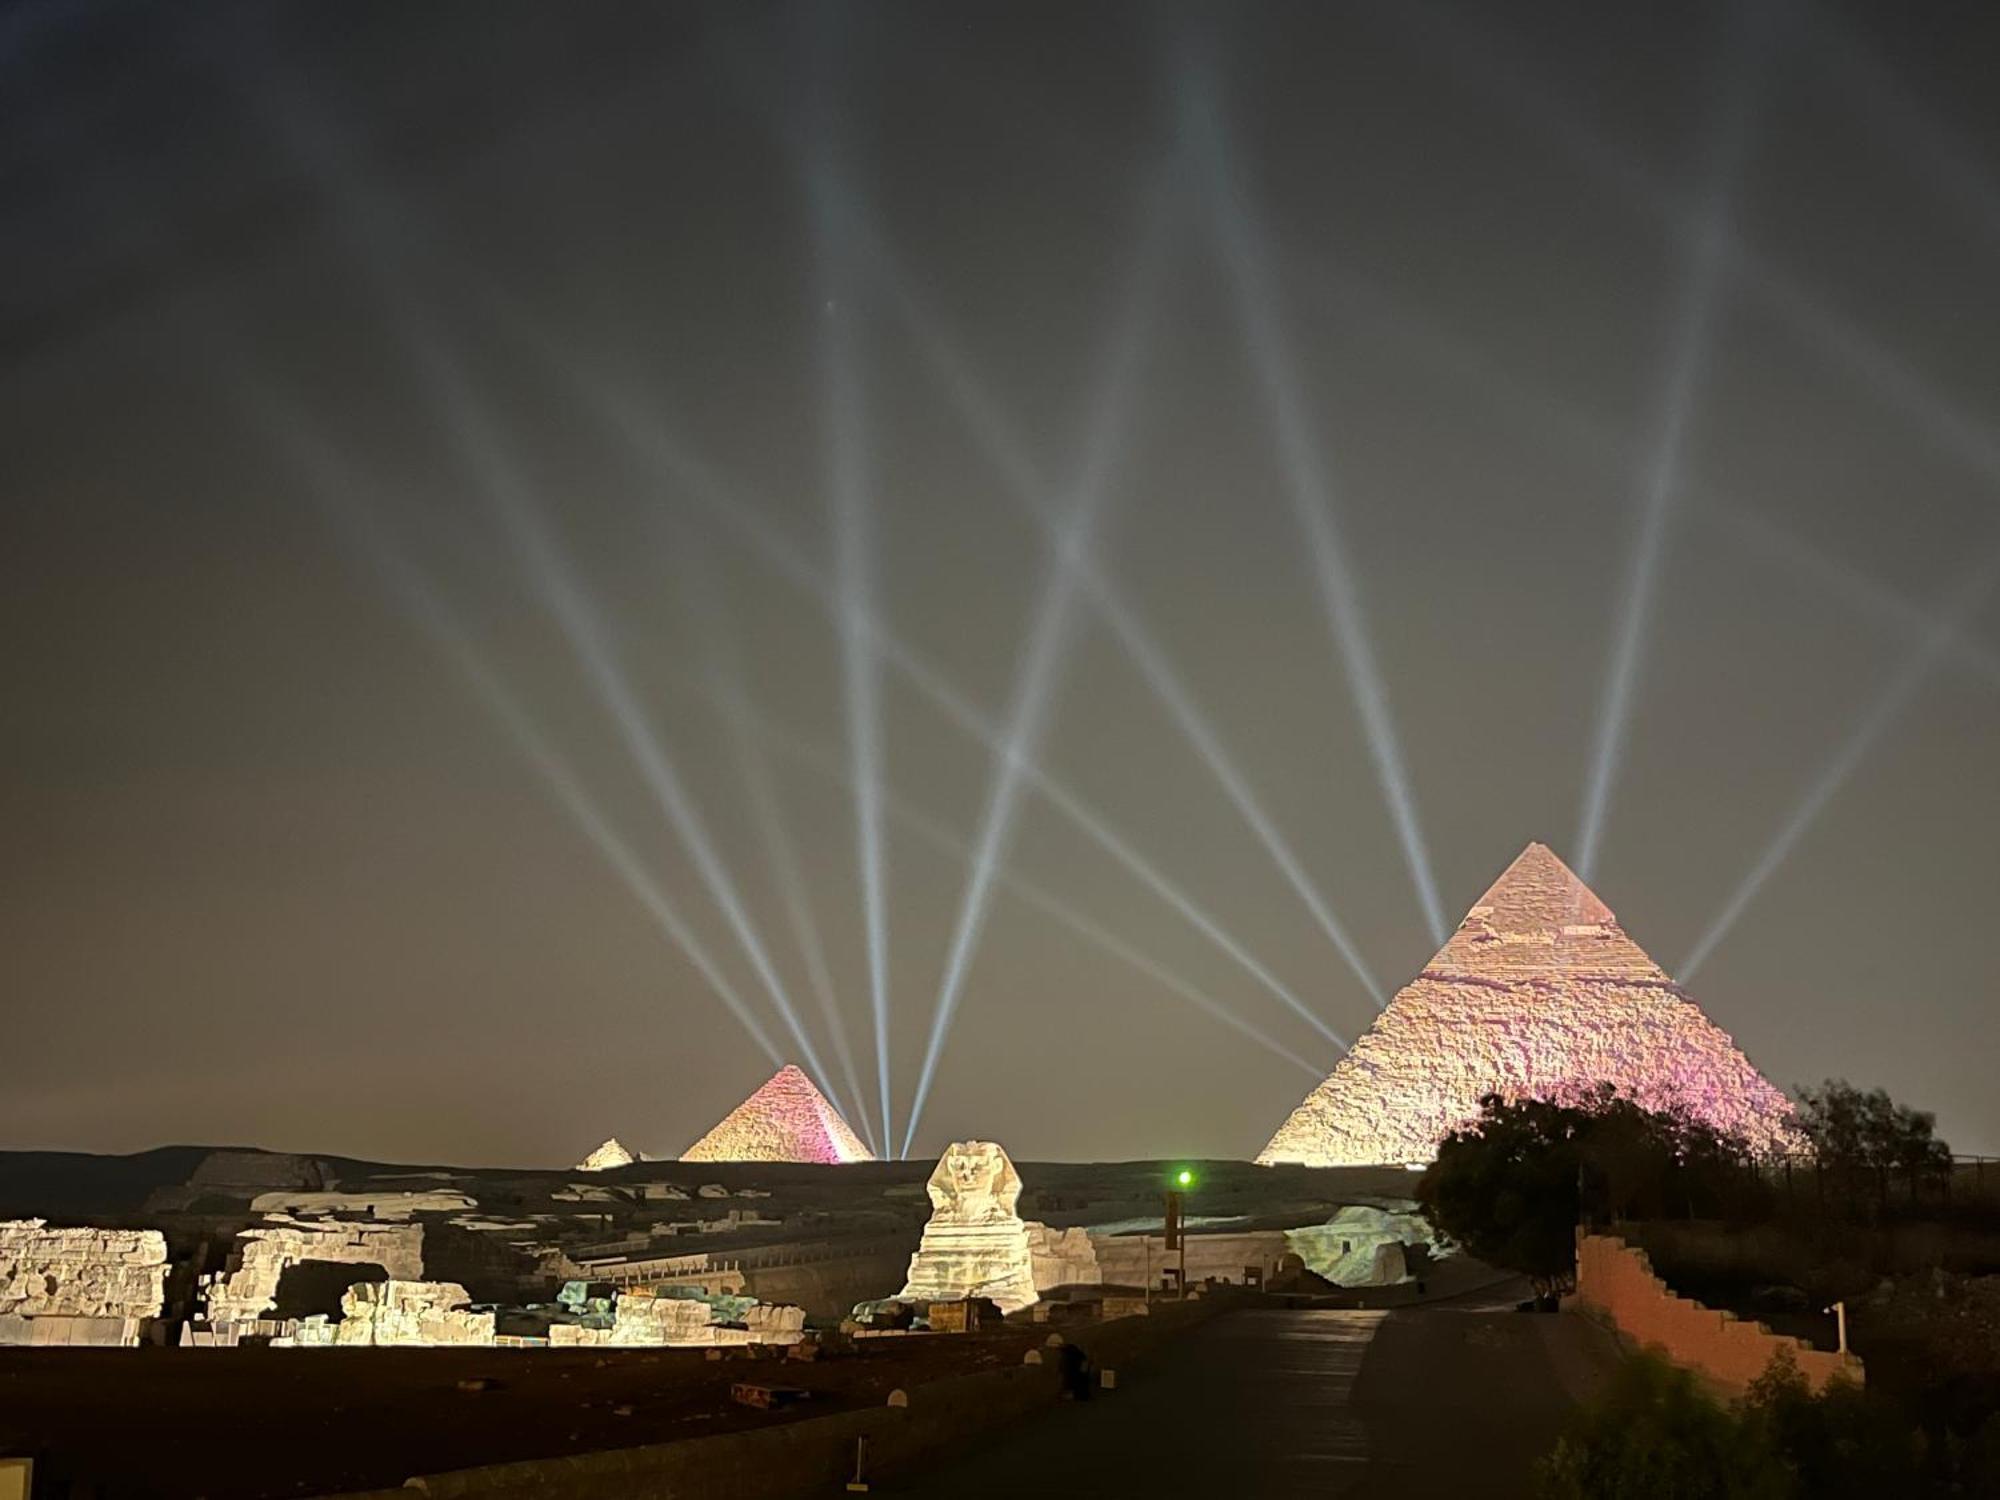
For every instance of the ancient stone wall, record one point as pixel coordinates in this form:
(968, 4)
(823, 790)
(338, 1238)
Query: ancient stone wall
(260, 1257)
(1062, 1257)
(410, 1314)
(644, 1321)
(1616, 1282)
(70, 1286)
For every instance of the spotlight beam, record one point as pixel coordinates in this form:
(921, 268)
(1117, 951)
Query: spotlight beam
(1937, 153)
(333, 489)
(1343, 294)
(1664, 465)
(852, 524)
(1005, 448)
(1958, 612)
(1864, 593)
(1499, 67)
(371, 236)
(1308, 485)
(1058, 909)
(670, 457)
(724, 675)
(1039, 668)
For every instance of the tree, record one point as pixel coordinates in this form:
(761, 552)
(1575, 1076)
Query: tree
(1856, 1134)
(1507, 1188)
(1512, 1186)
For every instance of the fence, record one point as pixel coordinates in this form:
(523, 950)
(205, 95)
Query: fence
(1805, 1185)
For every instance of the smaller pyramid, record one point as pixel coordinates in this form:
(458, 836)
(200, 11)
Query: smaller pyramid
(605, 1157)
(788, 1119)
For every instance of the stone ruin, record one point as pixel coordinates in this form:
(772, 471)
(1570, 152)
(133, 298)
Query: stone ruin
(648, 1320)
(249, 1292)
(1062, 1257)
(79, 1286)
(1539, 994)
(397, 1314)
(389, 1204)
(1366, 1245)
(975, 1244)
(788, 1119)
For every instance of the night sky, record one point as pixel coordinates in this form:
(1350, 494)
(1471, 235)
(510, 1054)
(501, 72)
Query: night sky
(482, 479)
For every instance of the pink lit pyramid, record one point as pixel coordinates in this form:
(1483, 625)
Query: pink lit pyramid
(1539, 994)
(788, 1119)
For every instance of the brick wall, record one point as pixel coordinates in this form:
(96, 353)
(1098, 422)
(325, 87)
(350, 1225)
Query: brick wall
(1616, 1282)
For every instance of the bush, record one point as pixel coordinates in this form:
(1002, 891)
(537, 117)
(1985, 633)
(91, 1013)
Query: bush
(1655, 1435)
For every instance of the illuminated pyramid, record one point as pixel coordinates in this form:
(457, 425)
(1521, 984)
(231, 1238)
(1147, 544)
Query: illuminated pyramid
(1539, 994)
(786, 1120)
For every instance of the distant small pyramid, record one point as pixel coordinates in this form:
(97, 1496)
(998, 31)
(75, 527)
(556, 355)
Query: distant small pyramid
(1539, 994)
(605, 1157)
(788, 1119)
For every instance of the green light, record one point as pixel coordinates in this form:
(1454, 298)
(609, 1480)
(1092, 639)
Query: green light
(1185, 1178)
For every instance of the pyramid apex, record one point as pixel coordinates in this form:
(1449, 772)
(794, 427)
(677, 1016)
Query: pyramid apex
(1538, 994)
(787, 1118)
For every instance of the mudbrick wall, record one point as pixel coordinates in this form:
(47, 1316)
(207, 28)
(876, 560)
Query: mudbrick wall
(1615, 1281)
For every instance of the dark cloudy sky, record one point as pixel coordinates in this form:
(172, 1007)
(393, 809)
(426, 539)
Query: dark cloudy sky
(327, 332)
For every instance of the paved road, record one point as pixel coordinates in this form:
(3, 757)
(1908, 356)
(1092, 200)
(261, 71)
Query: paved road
(1440, 1400)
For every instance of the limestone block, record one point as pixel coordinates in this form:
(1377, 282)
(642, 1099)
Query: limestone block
(770, 1323)
(104, 1276)
(410, 1314)
(380, 1206)
(1062, 1257)
(1362, 1244)
(975, 1244)
(261, 1255)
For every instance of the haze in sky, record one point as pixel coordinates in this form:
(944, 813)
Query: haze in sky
(1030, 559)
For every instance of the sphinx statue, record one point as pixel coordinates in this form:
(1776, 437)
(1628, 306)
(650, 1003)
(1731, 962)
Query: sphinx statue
(975, 1244)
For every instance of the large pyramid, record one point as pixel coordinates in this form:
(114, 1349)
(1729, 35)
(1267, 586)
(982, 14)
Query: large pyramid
(1539, 994)
(788, 1119)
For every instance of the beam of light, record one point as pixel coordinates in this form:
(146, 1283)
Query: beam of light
(1039, 667)
(1006, 450)
(1056, 908)
(1307, 484)
(333, 490)
(478, 446)
(1882, 713)
(1936, 152)
(1866, 594)
(1008, 453)
(1349, 296)
(671, 457)
(854, 549)
(724, 674)
(1495, 64)
(1663, 467)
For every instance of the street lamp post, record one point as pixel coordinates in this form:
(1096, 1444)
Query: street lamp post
(1176, 1236)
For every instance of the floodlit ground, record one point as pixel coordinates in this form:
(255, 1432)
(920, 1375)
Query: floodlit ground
(1443, 1400)
(236, 1424)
